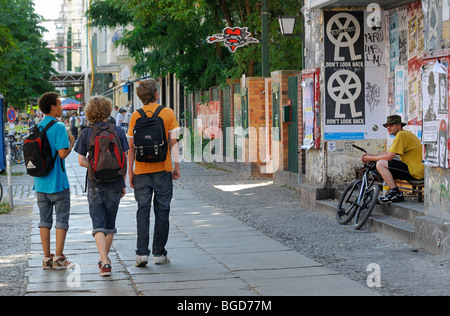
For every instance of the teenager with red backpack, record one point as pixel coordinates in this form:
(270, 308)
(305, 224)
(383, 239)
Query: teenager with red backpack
(102, 149)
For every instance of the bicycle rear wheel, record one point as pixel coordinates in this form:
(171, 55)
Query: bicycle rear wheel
(369, 202)
(1, 192)
(347, 205)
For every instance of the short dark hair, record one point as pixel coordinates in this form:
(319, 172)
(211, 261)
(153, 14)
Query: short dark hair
(47, 100)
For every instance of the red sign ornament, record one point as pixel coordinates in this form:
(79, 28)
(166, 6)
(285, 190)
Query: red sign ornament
(233, 38)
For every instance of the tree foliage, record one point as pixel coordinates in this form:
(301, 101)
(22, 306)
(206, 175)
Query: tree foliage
(169, 36)
(25, 62)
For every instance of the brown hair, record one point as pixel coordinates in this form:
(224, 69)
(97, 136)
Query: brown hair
(147, 91)
(98, 109)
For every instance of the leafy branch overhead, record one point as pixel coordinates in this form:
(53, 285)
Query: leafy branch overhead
(25, 62)
(169, 36)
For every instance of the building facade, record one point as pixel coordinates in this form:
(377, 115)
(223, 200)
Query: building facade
(375, 60)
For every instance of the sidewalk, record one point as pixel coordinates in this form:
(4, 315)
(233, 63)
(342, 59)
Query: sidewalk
(212, 254)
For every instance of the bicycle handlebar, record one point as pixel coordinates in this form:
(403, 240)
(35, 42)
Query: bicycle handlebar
(357, 147)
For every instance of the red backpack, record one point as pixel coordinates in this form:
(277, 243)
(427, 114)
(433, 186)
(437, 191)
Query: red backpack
(107, 161)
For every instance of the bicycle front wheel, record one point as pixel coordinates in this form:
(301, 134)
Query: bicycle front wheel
(369, 202)
(347, 205)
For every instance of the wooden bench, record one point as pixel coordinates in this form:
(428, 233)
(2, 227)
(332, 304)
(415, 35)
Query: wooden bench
(416, 187)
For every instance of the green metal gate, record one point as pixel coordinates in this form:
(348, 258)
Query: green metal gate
(293, 126)
(226, 118)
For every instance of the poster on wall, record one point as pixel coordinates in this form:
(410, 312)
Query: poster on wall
(355, 76)
(308, 111)
(435, 92)
(399, 90)
(416, 42)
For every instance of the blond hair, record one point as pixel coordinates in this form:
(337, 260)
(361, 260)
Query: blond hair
(98, 109)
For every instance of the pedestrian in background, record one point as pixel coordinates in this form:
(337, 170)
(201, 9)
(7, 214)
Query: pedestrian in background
(104, 195)
(153, 181)
(74, 125)
(53, 190)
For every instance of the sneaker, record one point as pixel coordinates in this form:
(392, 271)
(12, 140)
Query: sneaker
(105, 270)
(61, 263)
(47, 263)
(393, 197)
(161, 259)
(141, 261)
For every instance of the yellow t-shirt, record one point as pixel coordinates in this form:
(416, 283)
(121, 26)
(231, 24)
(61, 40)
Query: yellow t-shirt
(409, 148)
(170, 125)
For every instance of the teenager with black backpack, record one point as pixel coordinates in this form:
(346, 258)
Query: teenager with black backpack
(152, 139)
(102, 149)
(50, 178)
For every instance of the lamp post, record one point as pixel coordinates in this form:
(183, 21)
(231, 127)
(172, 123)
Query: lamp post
(265, 38)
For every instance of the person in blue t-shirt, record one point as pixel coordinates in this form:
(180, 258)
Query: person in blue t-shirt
(53, 191)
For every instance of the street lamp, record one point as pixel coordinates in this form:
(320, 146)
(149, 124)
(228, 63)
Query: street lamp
(287, 25)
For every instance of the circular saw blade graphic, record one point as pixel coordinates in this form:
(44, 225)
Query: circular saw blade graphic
(344, 87)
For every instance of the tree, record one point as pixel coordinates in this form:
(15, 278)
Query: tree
(169, 36)
(25, 62)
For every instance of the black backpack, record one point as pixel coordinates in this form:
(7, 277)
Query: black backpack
(37, 152)
(107, 161)
(150, 139)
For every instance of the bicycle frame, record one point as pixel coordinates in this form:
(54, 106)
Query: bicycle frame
(365, 185)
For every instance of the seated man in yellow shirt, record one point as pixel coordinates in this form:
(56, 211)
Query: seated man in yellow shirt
(409, 167)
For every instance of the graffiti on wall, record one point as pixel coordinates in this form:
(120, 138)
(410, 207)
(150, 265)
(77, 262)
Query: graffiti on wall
(208, 119)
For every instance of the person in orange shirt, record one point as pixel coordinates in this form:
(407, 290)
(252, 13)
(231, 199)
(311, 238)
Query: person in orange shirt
(150, 179)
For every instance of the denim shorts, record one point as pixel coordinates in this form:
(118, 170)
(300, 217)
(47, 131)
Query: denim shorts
(103, 207)
(61, 202)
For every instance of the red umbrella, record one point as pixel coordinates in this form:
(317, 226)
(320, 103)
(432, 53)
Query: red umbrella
(71, 106)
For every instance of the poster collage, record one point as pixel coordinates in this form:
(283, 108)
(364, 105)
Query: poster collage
(379, 67)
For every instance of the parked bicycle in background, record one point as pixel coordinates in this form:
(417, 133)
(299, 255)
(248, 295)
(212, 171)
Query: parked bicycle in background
(15, 141)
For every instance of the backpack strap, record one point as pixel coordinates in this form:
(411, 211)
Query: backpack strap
(156, 113)
(158, 110)
(142, 113)
(50, 124)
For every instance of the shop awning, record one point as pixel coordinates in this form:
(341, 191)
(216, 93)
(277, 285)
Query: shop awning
(71, 106)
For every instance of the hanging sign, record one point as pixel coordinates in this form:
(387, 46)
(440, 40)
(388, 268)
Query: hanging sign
(233, 38)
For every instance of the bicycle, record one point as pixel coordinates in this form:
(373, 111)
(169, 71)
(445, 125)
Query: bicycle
(359, 197)
(16, 146)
